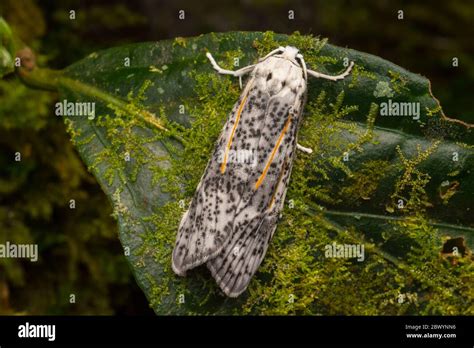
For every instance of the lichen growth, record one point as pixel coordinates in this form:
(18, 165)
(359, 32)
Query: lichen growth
(383, 89)
(447, 190)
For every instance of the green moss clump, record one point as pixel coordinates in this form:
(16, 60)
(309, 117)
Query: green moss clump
(365, 181)
(359, 72)
(127, 152)
(410, 195)
(398, 82)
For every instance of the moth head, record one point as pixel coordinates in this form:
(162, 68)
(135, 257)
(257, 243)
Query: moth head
(293, 55)
(290, 53)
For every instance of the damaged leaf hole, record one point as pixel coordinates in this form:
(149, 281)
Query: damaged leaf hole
(455, 248)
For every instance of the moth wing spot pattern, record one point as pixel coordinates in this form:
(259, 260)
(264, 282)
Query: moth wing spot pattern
(236, 206)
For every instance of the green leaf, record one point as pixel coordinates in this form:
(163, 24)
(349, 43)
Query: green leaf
(159, 108)
(6, 49)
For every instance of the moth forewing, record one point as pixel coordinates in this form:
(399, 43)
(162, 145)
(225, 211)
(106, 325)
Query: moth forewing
(235, 209)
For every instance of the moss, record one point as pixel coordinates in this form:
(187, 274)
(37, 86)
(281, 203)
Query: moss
(410, 195)
(443, 289)
(180, 41)
(364, 182)
(359, 72)
(308, 45)
(383, 89)
(127, 152)
(465, 146)
(398, 82)
(435, 111)
(232, 58)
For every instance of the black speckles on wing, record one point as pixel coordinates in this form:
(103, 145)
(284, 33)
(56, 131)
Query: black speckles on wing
(208, 222)
(241, 256)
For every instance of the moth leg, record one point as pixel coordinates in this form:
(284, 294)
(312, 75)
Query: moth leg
(329, 77)
(304, 149)
(238, 73)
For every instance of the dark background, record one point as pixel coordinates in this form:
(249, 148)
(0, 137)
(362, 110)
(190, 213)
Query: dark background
(80, 251)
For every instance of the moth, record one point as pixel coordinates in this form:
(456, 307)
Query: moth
(237, 204)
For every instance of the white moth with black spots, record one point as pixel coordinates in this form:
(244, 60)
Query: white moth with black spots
(235, 209)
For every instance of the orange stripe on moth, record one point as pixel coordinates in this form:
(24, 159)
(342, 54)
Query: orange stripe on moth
(229, 143)
(277, 145)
